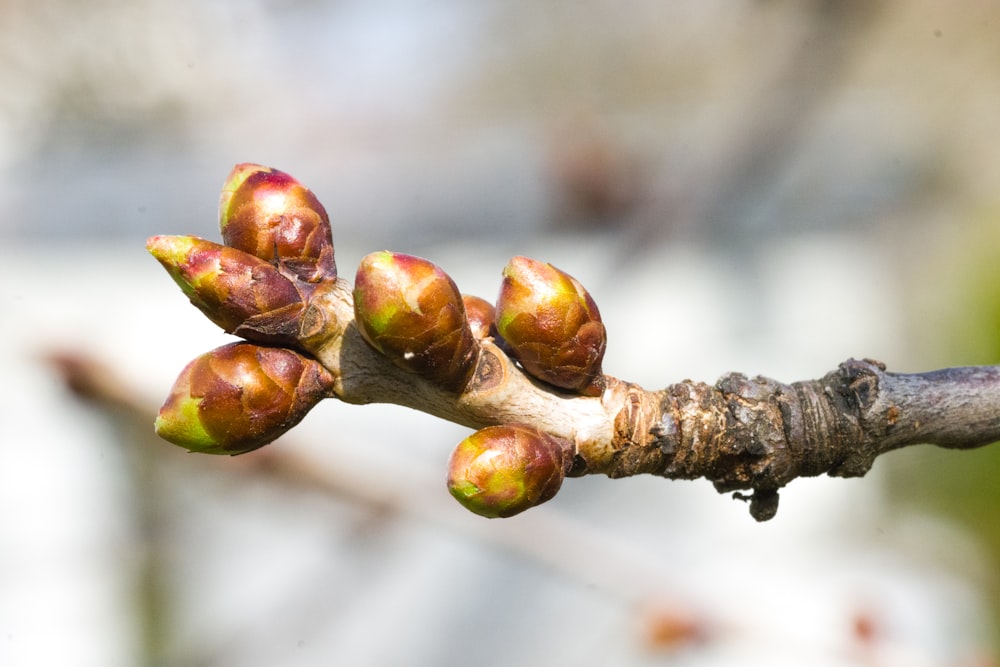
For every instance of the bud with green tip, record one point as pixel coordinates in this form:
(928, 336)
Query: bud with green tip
(410, 310)
(552, 326)
(272, 216)
(239, 292)
(500, 471)
(239, 397)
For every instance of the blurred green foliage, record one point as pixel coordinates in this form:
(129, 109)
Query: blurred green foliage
(956, 322)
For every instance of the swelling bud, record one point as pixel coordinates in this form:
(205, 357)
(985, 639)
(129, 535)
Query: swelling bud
(481, 315)
(239, 397)
(552, 326)
(500, 471)
(269, 214)
(410, 310)
(239, 292)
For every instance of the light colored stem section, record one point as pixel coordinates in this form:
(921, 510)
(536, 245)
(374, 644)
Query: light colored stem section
(957, 408)
(499, 392)
(741, 433)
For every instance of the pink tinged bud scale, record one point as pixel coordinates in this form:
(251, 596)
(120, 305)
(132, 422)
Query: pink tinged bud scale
(272, 216)
(239, 292)
(239, 397)
(500, 471)
(411, 311)
(552, 326)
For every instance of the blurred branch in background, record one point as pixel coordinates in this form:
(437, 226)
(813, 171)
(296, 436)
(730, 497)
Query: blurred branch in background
(670, 619)
(963, 293)
(545, 539)
(780, 116)
(148, 496)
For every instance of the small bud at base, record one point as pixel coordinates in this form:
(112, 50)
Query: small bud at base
(481, 315)
(500, 471)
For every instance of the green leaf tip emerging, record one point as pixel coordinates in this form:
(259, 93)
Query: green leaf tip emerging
(239, 397)
(235, 290)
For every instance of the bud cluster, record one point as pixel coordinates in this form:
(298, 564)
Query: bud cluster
(277, 248)
(277, 251)
(411, 311)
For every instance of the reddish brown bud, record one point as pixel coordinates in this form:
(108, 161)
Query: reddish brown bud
(239, 292)
(240, 397)
(272, 216)
(552, 326)
(411, 311)
(500, 471)
(481, 315)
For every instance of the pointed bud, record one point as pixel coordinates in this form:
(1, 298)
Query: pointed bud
(552, 326)
(239, 397)
(272, 216)
(239, 292)
(500, 471)
(481, 315)
(411, 311)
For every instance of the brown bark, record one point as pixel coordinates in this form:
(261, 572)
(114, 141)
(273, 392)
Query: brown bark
(760, 434)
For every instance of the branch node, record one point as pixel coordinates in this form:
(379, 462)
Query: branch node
(763, 503)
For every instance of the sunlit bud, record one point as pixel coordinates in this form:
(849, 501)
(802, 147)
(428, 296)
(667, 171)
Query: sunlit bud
(240, 397)
(552, 326)
(411, 311)
(500, 471)
(270, 215)
(481, 315)
(239, 292)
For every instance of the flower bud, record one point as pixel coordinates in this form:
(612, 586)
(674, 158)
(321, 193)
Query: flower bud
(552, 326)
(239, 397)
(481, 315)
(272, 216)
(500, 471)
(411, 311)
(239, 292)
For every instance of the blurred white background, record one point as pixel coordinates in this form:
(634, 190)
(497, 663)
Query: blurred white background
(759, 186)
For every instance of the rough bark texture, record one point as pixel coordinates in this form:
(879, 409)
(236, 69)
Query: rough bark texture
(760, 434)
(743, 434)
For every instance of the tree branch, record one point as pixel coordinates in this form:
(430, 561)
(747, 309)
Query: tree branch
(741, 433)
(526, 374)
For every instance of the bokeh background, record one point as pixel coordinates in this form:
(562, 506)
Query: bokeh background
(755, 185)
